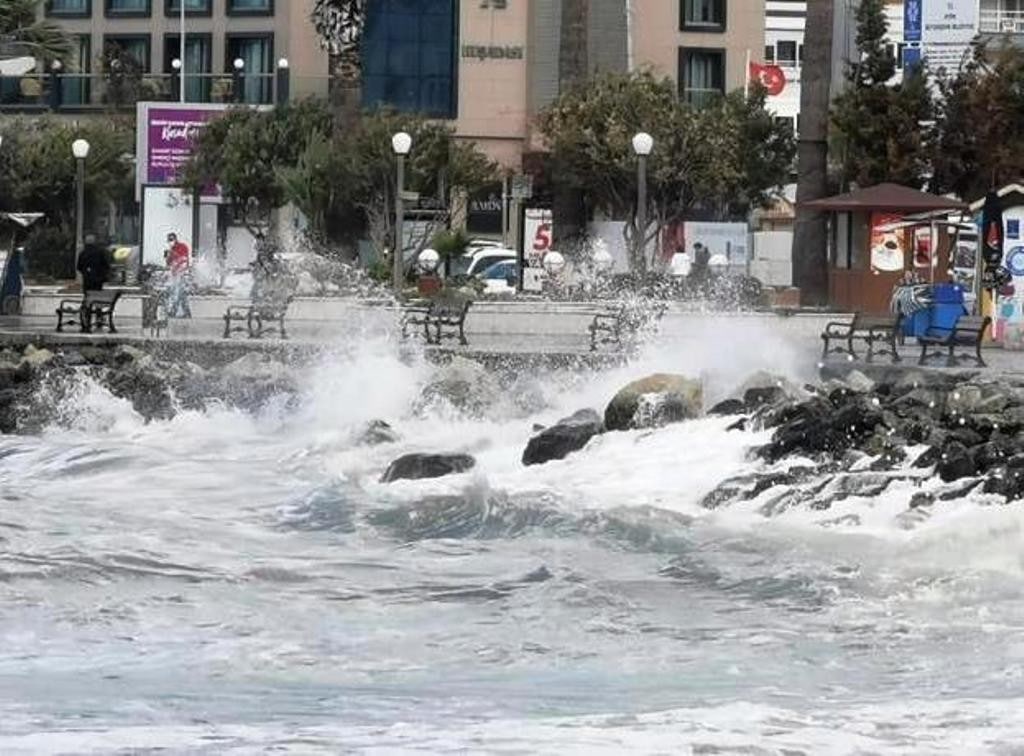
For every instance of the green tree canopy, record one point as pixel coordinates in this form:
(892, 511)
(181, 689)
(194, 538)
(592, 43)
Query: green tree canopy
(877, 125)
(723, 158)
(980, 139)
(23, 25)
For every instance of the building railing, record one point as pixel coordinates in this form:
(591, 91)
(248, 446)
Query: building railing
(73, 92)
(999, 21)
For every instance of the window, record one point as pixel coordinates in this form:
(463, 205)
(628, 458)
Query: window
(79, 8)
(769, 54)
(198, 63)
(409, 56)
(701, 75)
(127, 7)
(257, 54)
(136, 46)
(703, 15)
(172, 8)
(250, 7)
(787, 53)
(74, 84)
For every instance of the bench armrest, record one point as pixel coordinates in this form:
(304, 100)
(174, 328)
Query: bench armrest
(837, 328)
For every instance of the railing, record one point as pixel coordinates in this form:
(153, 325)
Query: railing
(999, 21)
(83, 92)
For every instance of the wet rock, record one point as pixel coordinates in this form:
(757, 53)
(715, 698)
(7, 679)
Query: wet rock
(859, 382)
(465, 385)
(127, 355)
(72, 358)
(729, 407)
(377, 432)
(420, 466)
(955, 463)
(739, 425)
(921, 499)
(654, 401)
(568, 435)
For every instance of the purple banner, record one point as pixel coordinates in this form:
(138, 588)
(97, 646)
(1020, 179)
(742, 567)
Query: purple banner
(172, 132)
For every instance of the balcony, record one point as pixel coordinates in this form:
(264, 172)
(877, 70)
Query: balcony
(78, 93)
(1000, 21)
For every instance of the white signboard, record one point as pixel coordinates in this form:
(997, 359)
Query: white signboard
(948, 28)
(729, 239)
(166, 209)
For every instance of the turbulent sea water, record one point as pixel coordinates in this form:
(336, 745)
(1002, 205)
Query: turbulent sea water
(229, 583)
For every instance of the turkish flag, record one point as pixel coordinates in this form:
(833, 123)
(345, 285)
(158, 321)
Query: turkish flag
(772, 78)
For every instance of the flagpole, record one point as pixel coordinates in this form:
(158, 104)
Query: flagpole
(746, 77)
(181, 49)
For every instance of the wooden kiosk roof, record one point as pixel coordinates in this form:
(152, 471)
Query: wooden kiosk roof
(892, 198)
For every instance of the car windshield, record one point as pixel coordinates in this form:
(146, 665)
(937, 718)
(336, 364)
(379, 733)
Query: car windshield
(499, 270)
(460, 265)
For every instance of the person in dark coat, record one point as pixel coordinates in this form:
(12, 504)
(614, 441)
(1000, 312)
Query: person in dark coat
(93, 264)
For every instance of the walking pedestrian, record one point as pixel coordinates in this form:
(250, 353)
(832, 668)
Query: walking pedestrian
(93, 264)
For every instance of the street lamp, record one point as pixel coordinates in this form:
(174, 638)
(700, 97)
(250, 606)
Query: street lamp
(177, 79)
(401, 143)
(554, 263)
(428, 261)
(80, 149)
(643, 143)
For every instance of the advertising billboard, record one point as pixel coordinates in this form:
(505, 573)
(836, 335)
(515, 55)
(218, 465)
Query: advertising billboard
(947, 28)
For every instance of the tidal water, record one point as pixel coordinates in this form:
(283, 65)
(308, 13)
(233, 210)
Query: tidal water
(230, 583)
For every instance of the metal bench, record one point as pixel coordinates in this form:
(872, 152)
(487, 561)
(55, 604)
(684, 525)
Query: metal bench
(94, 310)
(258, 319)
(969, 331)
(448, 320)
(879, 334)
(414, 315)
(616, 325)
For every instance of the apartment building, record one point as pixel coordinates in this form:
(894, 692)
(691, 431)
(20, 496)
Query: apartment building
(260, 34)
(784, 46)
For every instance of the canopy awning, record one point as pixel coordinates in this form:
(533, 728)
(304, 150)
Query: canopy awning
(22, 219)
(889, 198)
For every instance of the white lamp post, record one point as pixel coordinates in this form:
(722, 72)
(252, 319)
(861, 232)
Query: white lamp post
(428, 261)
(643, 143)
(401, 143)
(80, 150)
(553, 263)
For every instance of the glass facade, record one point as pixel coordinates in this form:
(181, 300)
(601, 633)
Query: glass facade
(409, 56)
(128, 7)
(69, 7)
(135, 46)
(198, 63)
(251, 6)
(701, 75)
(704, 15)
(192, 7)
(75, 82)
(257, 53)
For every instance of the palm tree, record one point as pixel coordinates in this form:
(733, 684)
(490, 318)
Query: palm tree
(340, 25)
(24, 32)
(810, 243)
(573, 68)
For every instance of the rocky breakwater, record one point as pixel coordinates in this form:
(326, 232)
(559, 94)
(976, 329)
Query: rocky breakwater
(39, 387)
(927, 436)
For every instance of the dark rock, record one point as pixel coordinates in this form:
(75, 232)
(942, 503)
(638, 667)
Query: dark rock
(992, 454)
(955, 463)
(72, 358)
(538, 427)
(8, 374)
(929, 457)
(729, 407)
(921, 499)
(654, 401)
(420, 466)
(563, 438)
(377, 432)
(1007, 481)
(755, 397)
(739, 425)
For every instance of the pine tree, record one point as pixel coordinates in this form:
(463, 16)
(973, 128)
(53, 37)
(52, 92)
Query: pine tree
(877, 125)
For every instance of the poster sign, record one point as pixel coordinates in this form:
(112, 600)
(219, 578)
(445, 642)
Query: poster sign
(172, 132)
(912, 20)
(947, 29)
(923, 249)
(485, 216)
(887, 253)
(536, 235)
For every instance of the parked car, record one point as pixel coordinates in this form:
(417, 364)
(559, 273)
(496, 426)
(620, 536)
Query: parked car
(477, 261)
(501, 277)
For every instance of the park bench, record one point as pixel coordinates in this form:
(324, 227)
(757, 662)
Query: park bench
(258, 319)
(94, 310)
(879, 334)
(617, 324)
(440, 320)
(968, 332)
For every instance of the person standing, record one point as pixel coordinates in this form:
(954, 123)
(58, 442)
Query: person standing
(178, 262)
(93, 264)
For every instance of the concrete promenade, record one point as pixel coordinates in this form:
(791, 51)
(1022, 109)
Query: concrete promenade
(552, 333)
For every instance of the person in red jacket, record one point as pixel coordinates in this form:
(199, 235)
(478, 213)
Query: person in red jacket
(178, 261)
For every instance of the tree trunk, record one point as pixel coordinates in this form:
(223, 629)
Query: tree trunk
(569, 210)
(810, 238)
(340, 24)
